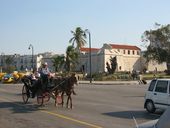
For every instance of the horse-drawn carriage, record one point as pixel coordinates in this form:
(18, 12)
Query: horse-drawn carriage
(56, 88)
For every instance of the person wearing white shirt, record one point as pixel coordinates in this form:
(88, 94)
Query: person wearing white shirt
(45, 74)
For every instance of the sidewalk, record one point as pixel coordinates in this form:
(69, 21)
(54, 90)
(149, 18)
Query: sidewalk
(111, 82)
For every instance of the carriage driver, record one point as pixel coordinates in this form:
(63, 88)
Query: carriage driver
(45, 74)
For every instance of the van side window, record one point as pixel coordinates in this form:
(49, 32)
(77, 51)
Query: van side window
(161, 86)
(152, 85)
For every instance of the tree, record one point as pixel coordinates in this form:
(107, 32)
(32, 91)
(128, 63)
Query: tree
(113, 64)
(9, 61)
(158, 48)
(58, 62)
(108, 67)
(71, 58)
(79, 38)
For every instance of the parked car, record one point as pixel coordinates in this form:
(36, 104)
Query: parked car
(162, 122)
(7, 78)
(1, 75)
(158, 95)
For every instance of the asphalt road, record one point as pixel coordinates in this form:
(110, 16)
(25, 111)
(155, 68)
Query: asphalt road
(94, 106)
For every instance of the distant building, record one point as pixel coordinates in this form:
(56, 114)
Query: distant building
(128, 58)
(24, 62)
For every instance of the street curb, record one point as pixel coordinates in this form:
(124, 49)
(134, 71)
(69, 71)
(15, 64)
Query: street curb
(109, 82)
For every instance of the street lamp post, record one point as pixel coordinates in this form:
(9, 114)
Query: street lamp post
(2, 54)
(1, 63)
(31, 47)
(87, 31)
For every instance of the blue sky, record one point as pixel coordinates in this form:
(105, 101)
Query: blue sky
(46, 24)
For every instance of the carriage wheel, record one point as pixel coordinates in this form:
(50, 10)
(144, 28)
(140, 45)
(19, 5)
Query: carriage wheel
(43, 97)
(25, 94)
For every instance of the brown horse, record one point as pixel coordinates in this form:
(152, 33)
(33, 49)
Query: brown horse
(65, 85)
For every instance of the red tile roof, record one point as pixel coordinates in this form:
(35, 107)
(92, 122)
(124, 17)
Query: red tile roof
(114, 46)
(130, 47)
(88, 49)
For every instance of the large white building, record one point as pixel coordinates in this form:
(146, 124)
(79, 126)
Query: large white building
(128, 58)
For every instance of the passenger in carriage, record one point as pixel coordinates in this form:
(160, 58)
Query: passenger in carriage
(34, 81)
(35, 75)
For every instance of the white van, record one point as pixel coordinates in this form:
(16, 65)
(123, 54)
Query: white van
(158, 95)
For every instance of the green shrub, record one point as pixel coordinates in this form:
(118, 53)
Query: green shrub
(123, 76)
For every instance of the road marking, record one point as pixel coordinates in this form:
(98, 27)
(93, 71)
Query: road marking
(54, 114)
(72, 119)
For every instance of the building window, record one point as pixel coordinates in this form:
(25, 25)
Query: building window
(133, 52)
(21, 61)
(128, 52)
(137, 52)
(124, 52)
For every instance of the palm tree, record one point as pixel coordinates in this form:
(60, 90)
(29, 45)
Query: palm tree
(79, 38)
(71, 58)
(58, 62)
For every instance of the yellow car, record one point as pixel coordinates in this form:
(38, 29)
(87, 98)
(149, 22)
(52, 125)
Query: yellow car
(1, 75)
(21, 75)
(8, 78)
(16, 77)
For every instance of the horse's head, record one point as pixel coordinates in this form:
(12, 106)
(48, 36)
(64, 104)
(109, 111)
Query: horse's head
(73, 79)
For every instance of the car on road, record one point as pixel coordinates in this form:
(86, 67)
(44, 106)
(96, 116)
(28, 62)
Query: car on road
(1, 75)
(158, 95)
(162, 122)
(7, 78)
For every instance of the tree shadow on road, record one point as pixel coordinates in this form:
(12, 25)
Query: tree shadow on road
(136, 114)
(19, 107)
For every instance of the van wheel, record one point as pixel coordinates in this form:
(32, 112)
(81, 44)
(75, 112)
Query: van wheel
(150, 107)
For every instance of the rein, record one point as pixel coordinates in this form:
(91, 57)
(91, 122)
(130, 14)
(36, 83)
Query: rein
(58, 85)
